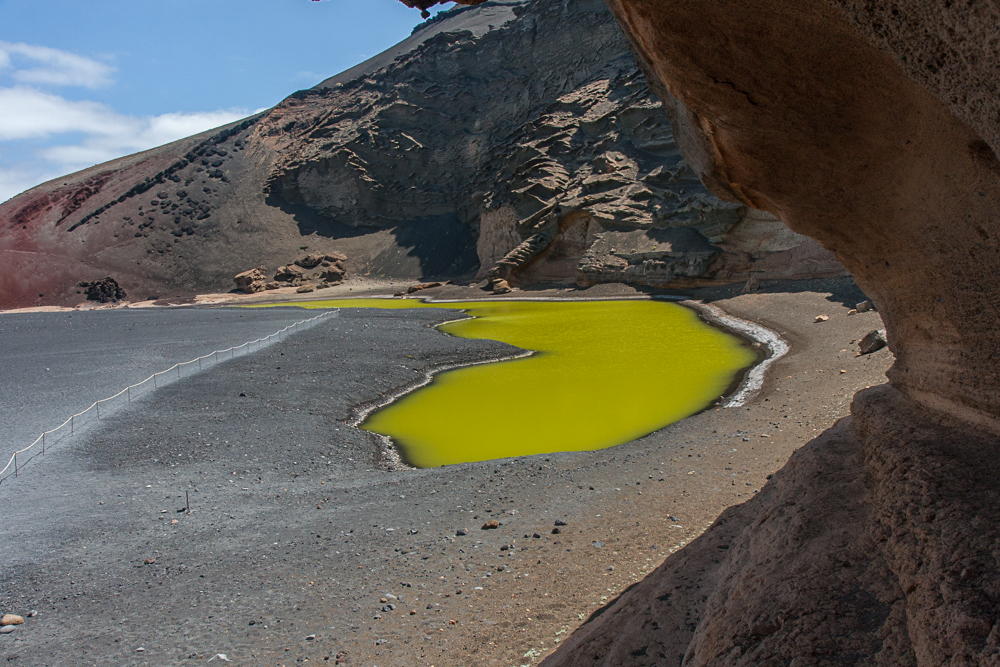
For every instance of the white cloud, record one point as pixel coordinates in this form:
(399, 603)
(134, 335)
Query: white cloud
(50, 66)
(70, 135)
(15, 181)
(101, 133)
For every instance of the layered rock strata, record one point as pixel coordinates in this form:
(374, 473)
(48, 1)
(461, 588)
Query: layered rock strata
(870, 127)
(435, 158)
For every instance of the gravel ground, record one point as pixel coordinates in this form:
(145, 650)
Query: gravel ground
(302, 547)
(56, 364)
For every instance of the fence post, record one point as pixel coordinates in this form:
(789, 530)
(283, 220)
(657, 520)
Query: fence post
(129, 389)
(98, 409)
(178, 371)
(43, 443)
(15, 464)
(71, 421)
(154, 380)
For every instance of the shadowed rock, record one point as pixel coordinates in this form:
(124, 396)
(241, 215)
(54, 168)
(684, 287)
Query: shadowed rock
(870, 127)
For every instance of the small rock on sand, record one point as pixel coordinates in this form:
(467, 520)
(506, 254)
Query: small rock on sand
(872, 342)
(11, 619)
(821, 318)
(7, 629)
(491, 525)
(461, 531)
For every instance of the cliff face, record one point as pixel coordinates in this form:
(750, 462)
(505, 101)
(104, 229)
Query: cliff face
(436, 158)
(870, 127)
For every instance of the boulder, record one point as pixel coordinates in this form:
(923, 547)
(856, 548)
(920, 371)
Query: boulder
(864, 306)
(309, 261)
(872, 342)
(500, 286)
(271, 285)
(335, 257)
(305, 289)
(104, 291)
(333, 274)
(289, 273)
(250, 281)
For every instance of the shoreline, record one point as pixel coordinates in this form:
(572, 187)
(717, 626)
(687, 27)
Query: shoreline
(341, 534)
(745, 385)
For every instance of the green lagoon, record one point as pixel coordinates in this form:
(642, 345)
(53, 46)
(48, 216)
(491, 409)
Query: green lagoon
(602, 373)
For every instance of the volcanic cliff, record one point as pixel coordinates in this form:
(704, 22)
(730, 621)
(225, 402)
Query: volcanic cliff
(490, 126)
(871, 127)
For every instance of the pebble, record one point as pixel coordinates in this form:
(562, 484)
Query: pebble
(598, 545)
(537, 536)
(150, 561)
(560, 522)
(310, 638)
(556, 531)
(501, 568)
(822, 318)
(491, 525)
(461, 531)
(11, 619)
(7, 629)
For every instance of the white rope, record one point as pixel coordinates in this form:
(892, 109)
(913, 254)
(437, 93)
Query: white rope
(128, 389)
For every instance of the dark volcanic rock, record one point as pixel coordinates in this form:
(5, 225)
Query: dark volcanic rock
(105, 291)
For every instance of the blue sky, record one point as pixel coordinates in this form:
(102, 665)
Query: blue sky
(85, 82)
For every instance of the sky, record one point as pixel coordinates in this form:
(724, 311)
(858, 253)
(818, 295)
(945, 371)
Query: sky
(86, 82)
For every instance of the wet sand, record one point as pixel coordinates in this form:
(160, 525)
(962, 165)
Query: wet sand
(299, 530)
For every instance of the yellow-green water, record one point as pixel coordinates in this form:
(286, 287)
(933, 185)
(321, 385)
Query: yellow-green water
(603, 373)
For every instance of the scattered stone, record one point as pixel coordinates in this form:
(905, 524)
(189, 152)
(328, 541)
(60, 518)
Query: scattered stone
(150, 561)
(556, 531)
(537, 536)
(218, 656)
(310, 638)
(561, 522)
(7, 629)
(271, 285)
(864, 306)
(501, 568)
(461, 532)
(598, 545)
(32, 613)
(305, 289)
(872, 342)
(491, 525)
(852, 311)
(251, 281)
(11, 619)
(821, 318)
(335, 257)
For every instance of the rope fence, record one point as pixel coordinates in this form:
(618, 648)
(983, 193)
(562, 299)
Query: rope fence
(68, 428)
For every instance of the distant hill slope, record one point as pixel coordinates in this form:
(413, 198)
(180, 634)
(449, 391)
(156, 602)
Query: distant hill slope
(489, 126)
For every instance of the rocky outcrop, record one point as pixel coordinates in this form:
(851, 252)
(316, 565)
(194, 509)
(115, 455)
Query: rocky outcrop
(250, 281)
(415, 168)
(870, 127)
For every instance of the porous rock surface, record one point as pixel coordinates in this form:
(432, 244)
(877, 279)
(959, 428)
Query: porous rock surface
(433, 159)
(870, 127)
